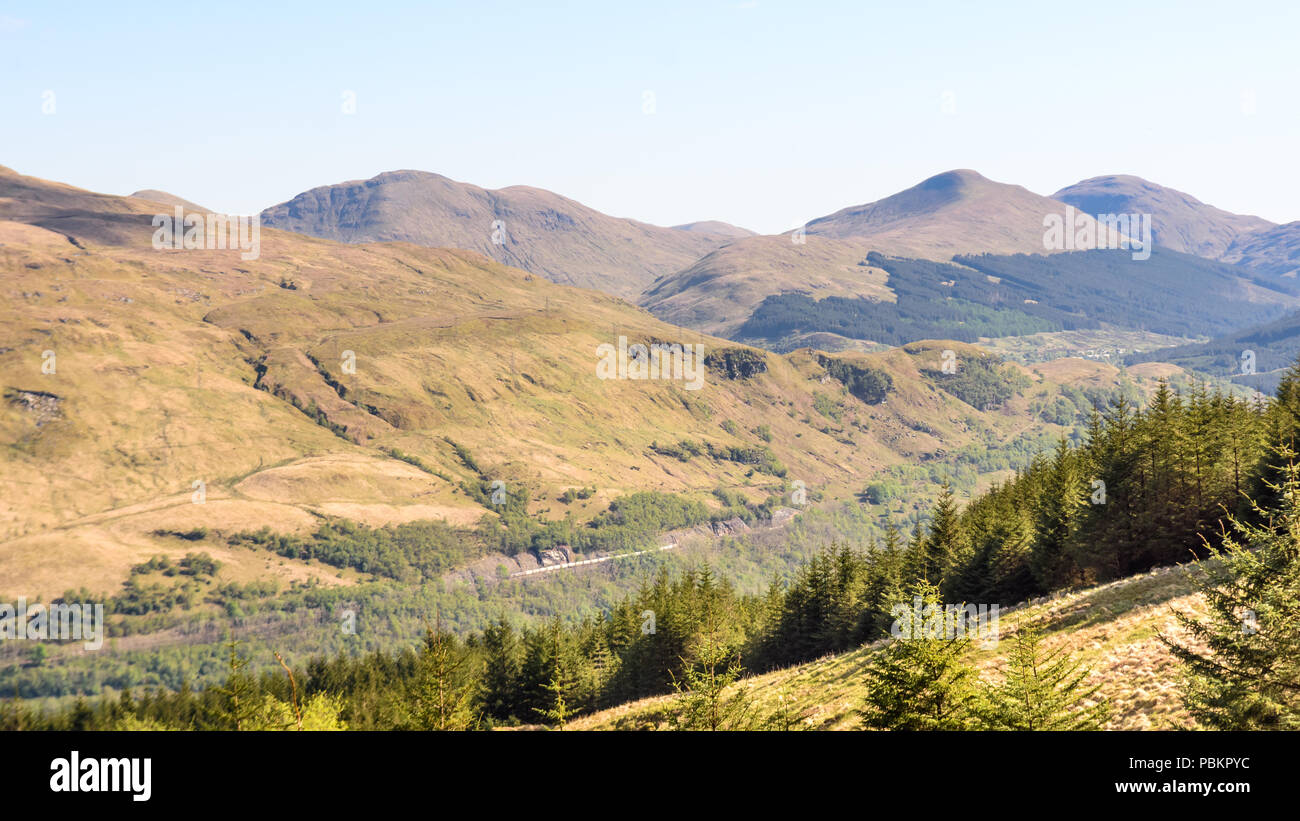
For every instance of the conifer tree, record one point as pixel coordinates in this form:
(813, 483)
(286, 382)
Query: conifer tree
(987, 522)
(1042, 690)
(558, 710)
(883, 585)
(239, 700)
(444, 687)
(1248, 677)
(1056, 518)
(499, 691)
(712, 667)
(845, 599)
(789, 714)
(597, 663)
(1282, 423)
(916, 558)
(921, 680)
(768, 636)
(946, 541)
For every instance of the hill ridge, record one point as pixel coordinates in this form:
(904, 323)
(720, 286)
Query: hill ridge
(543, 232)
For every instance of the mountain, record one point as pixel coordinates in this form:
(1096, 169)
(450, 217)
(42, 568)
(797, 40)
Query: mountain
(962, 256)
(779, 295)
(957, 212)
(721, 229)
(154, 195)
(1273, 251)
(65, 210)
(996, 296)
(529, 228)
(378, 383)
(1179, 221)
(720, 291)
(1256, 356)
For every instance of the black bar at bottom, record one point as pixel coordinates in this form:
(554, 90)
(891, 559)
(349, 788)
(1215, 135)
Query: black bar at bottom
(603, 773)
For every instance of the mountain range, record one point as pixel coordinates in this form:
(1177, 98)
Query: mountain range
(961, 213)
(713, 277)
(280, 419)
(175, 367)
(376, 381)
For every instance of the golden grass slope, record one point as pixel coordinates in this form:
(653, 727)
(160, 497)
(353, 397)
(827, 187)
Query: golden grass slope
(1114, 629)
(154, 195)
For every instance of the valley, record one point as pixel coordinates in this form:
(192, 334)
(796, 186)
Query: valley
(231, 445)
(686, 384)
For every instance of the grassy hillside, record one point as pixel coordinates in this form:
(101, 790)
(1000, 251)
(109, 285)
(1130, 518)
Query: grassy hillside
(177, 367)
(1273, 251)
(1113, 628)
(716, 227)
(1106, 345)
(720, 291)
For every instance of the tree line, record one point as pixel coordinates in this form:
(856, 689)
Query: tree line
(1206, 475)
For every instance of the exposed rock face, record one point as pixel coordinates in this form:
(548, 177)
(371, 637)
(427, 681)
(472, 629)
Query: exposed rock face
(736, 363)
(782, 515)
(730, 527)
(44, 406)
(558, 555)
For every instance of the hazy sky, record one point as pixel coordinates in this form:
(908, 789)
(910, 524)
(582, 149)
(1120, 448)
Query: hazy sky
(764, 114)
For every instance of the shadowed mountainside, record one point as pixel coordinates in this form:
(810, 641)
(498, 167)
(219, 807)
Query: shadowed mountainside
(1179, 221)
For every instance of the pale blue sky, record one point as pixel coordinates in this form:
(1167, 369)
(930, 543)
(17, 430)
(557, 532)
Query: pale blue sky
(765, 113)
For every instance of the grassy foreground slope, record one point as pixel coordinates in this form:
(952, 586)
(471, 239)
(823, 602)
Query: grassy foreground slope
(1113, 628)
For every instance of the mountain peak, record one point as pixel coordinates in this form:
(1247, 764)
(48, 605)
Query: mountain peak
(957, 211)
(1124, 185)
(718, 227)
(1180, 221)
(956, 179)
(403, 174)
(155, 195)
